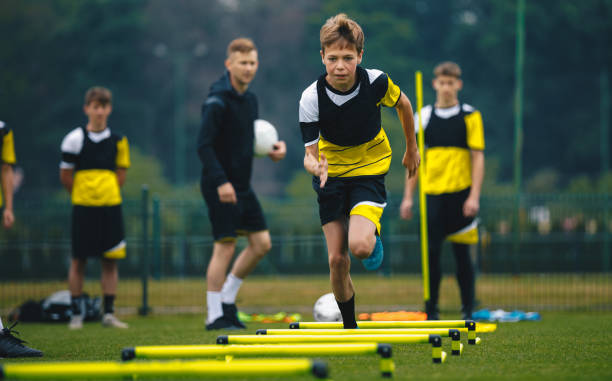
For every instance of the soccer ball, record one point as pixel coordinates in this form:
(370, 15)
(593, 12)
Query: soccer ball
(326, 309)
(265, 137)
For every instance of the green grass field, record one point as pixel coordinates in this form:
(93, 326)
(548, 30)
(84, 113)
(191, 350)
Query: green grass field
(563, 346)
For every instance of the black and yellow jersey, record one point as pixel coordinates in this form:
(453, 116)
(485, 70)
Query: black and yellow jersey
(7, 149)
(450, 134)
(347, 125)
(95, 156)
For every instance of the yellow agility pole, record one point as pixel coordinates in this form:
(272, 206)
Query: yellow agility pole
(208, 368)
(453, 333)
(198, 351)
(364, 324)
(436, 341)
(422, 198)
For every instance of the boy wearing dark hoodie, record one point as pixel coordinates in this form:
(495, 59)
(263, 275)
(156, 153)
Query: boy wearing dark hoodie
(225, 146)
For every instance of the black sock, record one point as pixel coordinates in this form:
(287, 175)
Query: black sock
(347, 309)
(75, 305)
(109, 304)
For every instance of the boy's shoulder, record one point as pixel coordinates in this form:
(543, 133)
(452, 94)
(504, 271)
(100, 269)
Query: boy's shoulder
(468, 108)
(311, 91)
(374, 74)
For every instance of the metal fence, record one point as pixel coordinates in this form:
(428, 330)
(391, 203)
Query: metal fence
(559, 244)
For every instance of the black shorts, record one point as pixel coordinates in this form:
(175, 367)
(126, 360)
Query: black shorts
(97, 232)
(341, 197)
(445, 219)
(231, 220)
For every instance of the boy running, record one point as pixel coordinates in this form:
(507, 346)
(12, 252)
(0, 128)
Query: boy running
(348, 153)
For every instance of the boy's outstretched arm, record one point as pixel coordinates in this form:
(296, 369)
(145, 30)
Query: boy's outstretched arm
(314, 166)
(411, 158)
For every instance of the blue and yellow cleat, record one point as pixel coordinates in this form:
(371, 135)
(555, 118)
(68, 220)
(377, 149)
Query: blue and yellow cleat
(375, 259)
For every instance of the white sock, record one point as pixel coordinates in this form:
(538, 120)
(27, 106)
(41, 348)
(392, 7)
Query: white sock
(1, 326)
(230, 289)
(213, 302)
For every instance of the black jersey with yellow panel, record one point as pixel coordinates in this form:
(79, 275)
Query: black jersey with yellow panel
(347, 125)
(95, 157)
(450, 135)
(7, 149)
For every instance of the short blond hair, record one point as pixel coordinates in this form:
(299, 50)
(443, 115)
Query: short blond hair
(341, 27)
(98, 94)
(242, 45)
(448, 68)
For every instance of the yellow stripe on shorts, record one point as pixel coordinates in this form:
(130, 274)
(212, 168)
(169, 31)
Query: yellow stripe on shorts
(117, 252)
(369, 211)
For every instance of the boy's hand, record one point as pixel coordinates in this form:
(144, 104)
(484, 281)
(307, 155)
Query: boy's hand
(227, 194)
(406, 209)
(411, 161)
(471, 207)
(279, 150)
(8, 218)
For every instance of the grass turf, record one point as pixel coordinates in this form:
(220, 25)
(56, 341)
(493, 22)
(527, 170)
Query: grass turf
(563, 346)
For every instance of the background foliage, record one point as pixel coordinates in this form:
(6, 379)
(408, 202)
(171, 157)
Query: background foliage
(54, 50)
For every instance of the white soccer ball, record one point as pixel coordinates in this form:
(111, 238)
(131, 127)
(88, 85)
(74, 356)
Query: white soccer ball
(265, 137)
(326, 309)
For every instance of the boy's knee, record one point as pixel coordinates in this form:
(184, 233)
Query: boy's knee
(361, 248)
(262, 247)
(338, 261)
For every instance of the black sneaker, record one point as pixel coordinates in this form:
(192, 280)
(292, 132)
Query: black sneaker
(431, 310)
(466, 313)
(221, 323)
(231, 313)
(11, 346)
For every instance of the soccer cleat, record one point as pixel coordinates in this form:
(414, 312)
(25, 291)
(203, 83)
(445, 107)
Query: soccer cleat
(222, 323)
(376, 257)
(110, 320)
(231, 313)
(76, 322)
(11, 346)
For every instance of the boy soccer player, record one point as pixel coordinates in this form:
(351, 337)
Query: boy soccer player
(225, 147)
(93, 168)
(10, 346)
(348, 153)
(454, 158)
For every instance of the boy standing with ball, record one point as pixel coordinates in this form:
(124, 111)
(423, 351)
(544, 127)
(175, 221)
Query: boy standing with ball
(348, 153)
(225, 147)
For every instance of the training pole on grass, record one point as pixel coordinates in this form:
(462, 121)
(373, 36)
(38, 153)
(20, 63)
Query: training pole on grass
(453, 333)
(422, 198)
(365, 324)
(205, 368)
(438, 355)
(229, 351)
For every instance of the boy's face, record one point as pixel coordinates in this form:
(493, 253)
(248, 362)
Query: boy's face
(447, 87)
(341, 60)
(97, 112)
(242, 66)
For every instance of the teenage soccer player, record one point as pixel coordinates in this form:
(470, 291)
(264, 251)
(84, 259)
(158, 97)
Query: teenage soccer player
(454, 158)
(10, 346)
(93, 168)
(348, 153)
(225, 147)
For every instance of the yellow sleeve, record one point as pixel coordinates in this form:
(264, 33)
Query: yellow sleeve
(8, 148)
(475, 131)
(392, 95)
(123, 153)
